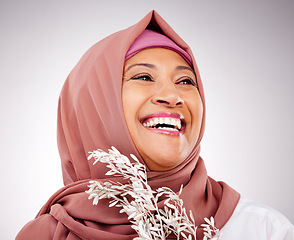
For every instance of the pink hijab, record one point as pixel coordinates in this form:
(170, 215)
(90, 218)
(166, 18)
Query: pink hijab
(90, 116)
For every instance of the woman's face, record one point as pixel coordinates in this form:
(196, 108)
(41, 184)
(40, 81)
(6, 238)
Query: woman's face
(162, 107)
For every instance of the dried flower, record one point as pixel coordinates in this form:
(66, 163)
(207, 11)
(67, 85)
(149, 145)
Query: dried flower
(148, 220)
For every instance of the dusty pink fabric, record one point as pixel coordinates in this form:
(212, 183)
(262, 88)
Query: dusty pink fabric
(151, 39)
(90, 116)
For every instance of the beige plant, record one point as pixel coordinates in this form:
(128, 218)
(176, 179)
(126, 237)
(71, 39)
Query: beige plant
(139, 201)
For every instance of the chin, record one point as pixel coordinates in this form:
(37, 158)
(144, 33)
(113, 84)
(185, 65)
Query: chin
(164, 160)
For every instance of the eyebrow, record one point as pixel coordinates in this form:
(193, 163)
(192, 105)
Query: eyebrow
(152, 66)
(141, 64)
(181, 67)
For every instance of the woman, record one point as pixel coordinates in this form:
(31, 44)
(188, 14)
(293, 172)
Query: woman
(140, 91)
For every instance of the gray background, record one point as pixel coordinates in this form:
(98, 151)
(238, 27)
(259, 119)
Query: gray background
(245, 55)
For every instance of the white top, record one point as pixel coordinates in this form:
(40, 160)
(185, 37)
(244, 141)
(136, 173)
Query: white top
(254, 221)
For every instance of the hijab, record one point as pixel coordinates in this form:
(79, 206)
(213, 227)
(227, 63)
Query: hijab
(152, 39)
(90, 116)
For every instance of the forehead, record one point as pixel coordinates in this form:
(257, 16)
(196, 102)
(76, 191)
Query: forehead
(157, 55)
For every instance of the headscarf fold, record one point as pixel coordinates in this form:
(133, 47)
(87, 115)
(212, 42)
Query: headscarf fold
(90, 116)
(152, 39)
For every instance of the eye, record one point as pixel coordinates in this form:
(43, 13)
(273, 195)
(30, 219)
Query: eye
(187, 81)
(144, 77)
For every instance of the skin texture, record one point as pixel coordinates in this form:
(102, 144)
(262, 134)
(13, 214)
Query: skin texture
(160, 81)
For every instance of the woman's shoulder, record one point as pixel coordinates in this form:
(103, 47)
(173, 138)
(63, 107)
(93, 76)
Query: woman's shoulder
(253, 220)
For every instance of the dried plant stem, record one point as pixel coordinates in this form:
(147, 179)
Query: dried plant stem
(140, 202)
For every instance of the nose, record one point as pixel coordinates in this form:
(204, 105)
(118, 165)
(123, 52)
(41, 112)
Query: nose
(167, 95)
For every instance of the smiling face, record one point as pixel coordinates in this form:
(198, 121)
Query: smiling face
(162, 107)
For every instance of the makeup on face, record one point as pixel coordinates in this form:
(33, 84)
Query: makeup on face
(162, 106)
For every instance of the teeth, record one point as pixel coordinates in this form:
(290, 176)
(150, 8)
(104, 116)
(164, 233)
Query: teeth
(173, 122)
(178, 124)
(166, 120)
(151, 123)
(170, 129)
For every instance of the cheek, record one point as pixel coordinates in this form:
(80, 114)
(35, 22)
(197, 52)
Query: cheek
(196, 109)
(127, 104)
(131, 101)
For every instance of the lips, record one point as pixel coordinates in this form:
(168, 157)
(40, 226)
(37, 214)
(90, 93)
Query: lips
(166, 123)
